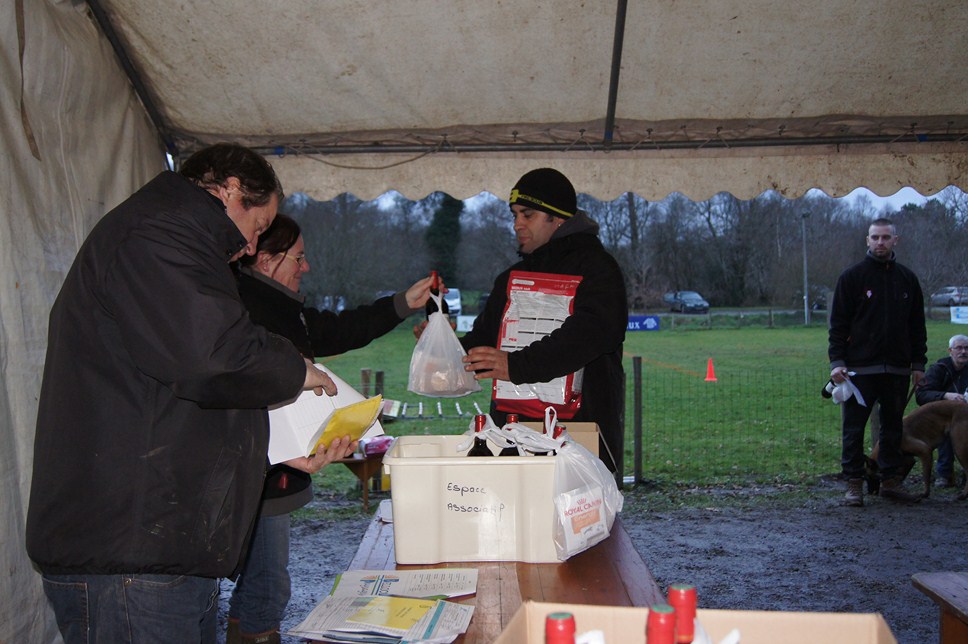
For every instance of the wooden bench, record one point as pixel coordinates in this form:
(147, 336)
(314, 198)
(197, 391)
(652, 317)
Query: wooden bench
(610, 574)
(949, 590)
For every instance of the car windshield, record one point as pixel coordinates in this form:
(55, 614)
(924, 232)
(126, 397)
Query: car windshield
(690, 295)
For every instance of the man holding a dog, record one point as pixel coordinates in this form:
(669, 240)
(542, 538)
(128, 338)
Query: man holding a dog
(946, 379)
(877, 340)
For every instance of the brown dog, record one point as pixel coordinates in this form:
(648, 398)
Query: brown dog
(924, 429)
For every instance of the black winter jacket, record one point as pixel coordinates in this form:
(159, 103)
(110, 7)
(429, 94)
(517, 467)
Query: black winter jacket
(940, 379)
(592, 337)
(152, 429)
(877, 319)
(315, 333)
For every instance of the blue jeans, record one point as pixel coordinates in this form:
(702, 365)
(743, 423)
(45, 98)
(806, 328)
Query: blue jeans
(108, 609)
(945, 466)
(263, 589)
(891, 391)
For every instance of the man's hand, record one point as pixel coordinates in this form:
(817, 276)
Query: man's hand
(339, 448)
(487, 362)
(838, 375)
(954, 396)
(318, 380)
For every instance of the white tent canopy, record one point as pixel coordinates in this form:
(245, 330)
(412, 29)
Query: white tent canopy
(457, 95)
(733, 95)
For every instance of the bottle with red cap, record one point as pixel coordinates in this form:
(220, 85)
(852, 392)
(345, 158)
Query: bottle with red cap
(560, 628)
(510, 450)
(480, 448)
(660, 625)
(431, 306)
(682, 597)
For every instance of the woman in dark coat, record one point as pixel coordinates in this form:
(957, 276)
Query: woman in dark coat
(269, 286)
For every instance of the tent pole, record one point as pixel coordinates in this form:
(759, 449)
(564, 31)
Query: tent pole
(617, 44)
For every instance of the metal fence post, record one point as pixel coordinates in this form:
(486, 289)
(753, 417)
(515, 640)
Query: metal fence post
(637, 417)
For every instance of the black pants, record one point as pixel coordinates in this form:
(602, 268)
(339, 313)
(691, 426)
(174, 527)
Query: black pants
(891, 392)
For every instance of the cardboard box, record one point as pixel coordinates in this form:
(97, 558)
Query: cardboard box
(621, 624)
(585, 434)
(451, 507)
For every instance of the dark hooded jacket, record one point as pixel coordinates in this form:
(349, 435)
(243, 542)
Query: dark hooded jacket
(152, 429)
(940, 379)
(592, 337)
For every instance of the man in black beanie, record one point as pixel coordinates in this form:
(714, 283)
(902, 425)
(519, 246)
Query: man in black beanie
(556, 238)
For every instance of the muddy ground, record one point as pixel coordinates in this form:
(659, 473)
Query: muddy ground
(768, 549)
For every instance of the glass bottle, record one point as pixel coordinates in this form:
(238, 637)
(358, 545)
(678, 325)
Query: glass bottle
(510, 450)
(431, 306)
(479, 448)
(560, 628)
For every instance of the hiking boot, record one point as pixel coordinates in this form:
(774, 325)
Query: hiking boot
(855, 493)
(893, 490)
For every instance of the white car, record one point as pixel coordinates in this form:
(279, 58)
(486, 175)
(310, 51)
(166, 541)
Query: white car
(452, 298)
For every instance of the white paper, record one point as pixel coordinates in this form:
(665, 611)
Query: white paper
(295, 425)
(432, 582)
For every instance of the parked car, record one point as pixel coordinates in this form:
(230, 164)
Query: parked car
(688, 302)
(950, 296)
(452, 297)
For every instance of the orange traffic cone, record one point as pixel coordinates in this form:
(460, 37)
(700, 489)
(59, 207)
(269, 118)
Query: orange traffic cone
(710, 372)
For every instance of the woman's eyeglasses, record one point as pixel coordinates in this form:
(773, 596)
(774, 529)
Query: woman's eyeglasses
(299, 259)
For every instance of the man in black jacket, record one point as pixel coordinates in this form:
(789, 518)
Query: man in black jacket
(877, 340)
(946, 379)
(152, 427)
(555, 237)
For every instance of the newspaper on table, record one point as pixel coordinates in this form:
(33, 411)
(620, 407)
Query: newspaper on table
(392, 606)
(385, 619)
(432, 583)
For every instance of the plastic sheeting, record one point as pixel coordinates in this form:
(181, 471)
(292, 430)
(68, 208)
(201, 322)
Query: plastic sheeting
(80, 145)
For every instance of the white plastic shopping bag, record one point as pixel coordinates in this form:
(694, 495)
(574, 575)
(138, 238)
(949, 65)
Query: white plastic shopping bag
(586, 500)
(435, 366)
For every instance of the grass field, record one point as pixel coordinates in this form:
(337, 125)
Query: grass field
(762, 420)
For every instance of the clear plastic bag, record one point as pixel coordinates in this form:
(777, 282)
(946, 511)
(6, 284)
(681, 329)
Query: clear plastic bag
(586, 500)
(435, 368)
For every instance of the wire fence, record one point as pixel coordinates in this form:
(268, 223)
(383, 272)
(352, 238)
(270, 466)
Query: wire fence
(742, 428)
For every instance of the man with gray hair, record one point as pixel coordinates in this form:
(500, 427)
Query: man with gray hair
(946, 379)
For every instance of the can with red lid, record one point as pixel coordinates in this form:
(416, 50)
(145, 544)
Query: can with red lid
(660, 625)
(682, 597)
(560, 628)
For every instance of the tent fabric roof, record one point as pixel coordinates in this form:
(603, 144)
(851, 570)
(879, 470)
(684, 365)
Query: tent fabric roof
(463, 81)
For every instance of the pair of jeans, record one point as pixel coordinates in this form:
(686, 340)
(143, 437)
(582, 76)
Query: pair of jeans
(945, 466)
(263, 589)
(109, 609)
(890, 391)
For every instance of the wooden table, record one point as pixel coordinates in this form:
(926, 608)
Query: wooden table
(949, 590)
(364, 469)
(611, 574)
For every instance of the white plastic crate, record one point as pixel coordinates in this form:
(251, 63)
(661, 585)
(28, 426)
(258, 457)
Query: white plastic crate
(451, 507)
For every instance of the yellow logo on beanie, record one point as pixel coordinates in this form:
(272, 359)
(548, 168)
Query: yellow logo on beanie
(517, 195)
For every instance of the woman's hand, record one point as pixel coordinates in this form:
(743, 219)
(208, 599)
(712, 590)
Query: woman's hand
(339, 448)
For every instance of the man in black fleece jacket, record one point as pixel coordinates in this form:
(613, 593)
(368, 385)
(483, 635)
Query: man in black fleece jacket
(555, 237)
(878, 341)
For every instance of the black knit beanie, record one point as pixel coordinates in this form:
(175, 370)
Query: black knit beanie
(547, 190)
